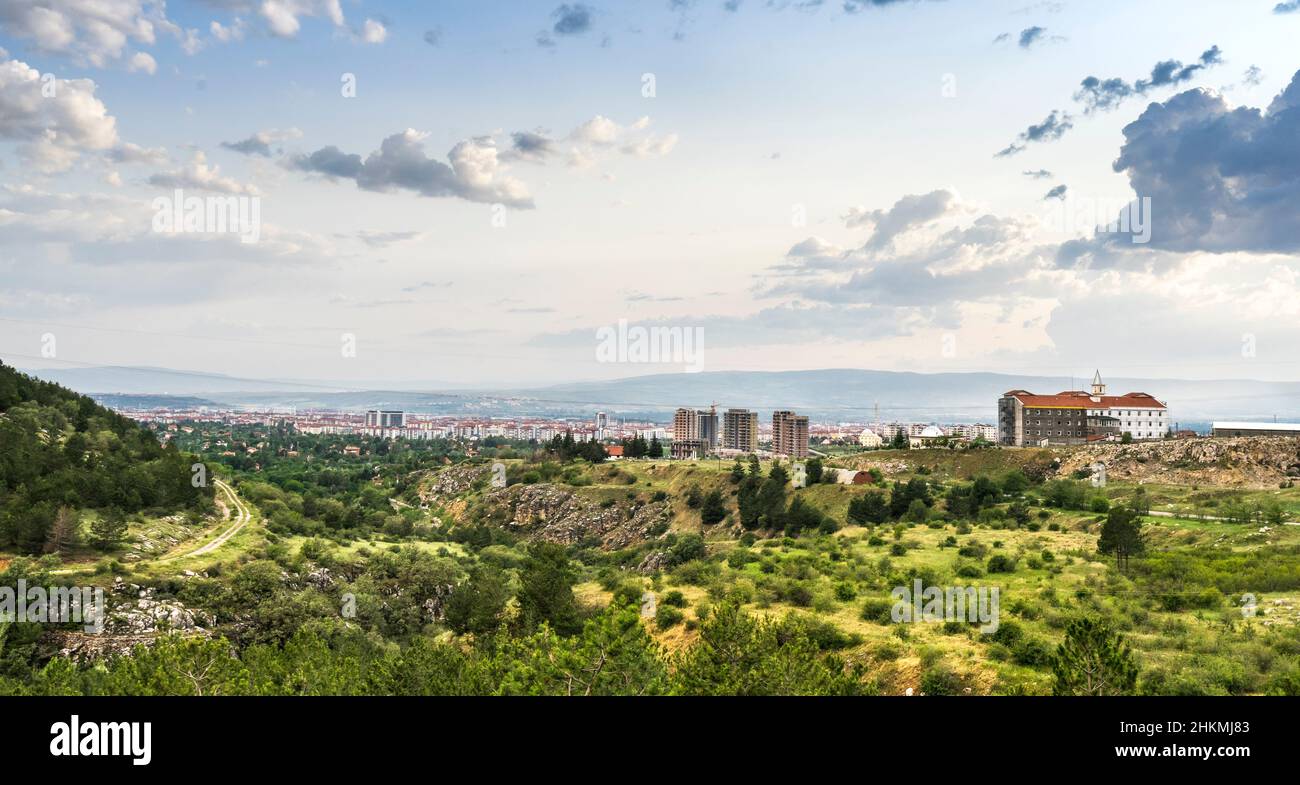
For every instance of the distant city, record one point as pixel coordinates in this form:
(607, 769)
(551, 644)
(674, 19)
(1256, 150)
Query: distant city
(1024, 419)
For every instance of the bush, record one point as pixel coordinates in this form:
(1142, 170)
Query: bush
(667, 616)
(1032, 653)
(1000, 562)
(674, 598)
(878, 610)
(941, 680)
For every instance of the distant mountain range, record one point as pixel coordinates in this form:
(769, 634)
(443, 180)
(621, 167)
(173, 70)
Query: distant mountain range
(835, 395)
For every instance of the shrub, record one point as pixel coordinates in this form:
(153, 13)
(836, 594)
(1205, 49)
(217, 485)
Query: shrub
(674, 598)
(667, 616)
(878, 610)
(1000, 562)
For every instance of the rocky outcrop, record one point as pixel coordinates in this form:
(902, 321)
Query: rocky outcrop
(146, 615)
(136, 617)
(555, 514)
(450, 483)
(1248, 462)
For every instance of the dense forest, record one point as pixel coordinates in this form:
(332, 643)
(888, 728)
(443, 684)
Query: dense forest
(61, 453)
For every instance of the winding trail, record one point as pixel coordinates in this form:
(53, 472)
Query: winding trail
(242, 518)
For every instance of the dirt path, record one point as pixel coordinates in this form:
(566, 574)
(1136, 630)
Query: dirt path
(242, 517)
(1192, 516)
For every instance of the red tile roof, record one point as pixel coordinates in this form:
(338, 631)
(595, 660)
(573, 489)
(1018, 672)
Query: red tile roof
(1078, 399)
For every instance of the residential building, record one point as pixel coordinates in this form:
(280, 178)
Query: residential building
(740, 430)
(686, 425)
(789, 434)
(385, 419)
(708, 428)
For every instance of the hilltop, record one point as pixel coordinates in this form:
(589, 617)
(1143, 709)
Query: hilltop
(61, 453)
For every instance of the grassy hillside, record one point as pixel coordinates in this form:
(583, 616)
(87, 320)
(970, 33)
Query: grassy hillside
(407, 570)
(62, 454)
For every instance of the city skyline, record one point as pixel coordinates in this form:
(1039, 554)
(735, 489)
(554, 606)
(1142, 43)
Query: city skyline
(487, 201)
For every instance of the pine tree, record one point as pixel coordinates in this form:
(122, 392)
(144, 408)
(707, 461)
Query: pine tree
(1093, 660)
(713, 510)
(63, 531)
(108, 529)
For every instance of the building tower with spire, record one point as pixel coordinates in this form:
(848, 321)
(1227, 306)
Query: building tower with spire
(1098, 388)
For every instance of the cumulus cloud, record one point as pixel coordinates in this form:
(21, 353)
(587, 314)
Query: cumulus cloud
(198, 175)
(473, 172)
(374, 32)
(1106, 94)
(931, 258)
(228, 33)
(1053, 127)
(141, 62)
(96, 32)
(260, 143)
(128, 153)
(533, 146)
(52, 134)
(907, 213)
(586, 144)
(1219, 178)
(283, 17)
(1287, 7)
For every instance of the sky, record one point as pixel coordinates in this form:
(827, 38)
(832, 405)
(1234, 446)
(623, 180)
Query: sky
(481, 193)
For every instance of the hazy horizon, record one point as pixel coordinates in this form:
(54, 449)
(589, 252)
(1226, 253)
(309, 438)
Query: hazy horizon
(444, 195)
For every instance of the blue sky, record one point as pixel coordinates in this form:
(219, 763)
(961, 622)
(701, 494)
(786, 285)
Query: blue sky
(809, 186)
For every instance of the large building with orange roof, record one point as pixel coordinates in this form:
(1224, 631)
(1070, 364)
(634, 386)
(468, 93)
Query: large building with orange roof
(1026, 419)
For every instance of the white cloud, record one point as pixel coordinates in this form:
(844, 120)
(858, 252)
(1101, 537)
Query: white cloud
(283, 16)
(373, 32)
(91, 31)
(53, 130)
(198, 175)
(226, 34)
(474, 171)
(142, 62)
